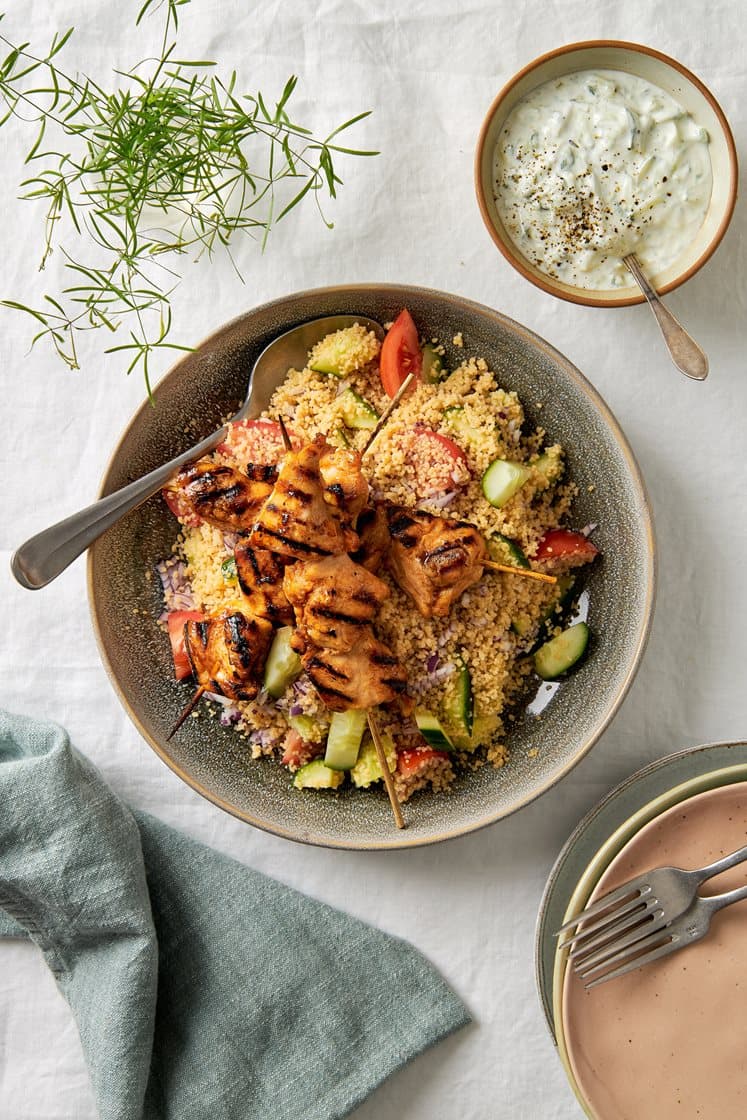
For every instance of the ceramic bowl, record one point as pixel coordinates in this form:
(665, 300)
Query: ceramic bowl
(125, 598)
(685, 88)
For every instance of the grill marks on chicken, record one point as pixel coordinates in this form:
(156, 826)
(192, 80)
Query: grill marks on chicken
(334, 599)
(361, 677)
(373, 532)
(223, 496)
(433, 558)
(227, 654)
(260, 575)
(345, 486)
(297, 521)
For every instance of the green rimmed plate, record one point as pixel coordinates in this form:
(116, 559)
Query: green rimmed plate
(605, 829)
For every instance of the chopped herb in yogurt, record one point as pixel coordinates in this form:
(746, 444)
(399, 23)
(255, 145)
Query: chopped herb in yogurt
(597, 164)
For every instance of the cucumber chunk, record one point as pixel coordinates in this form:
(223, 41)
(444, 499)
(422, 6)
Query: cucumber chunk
(228, 569)
(483, 729)
(310, 729)
(501, 481)
(550, 467)
(283, 664)
(505, 551)
(457, 422)
(459, 709)
(367, 769)
(338, 437)
(433, 365)
(357, 412)
(432, 731)
(557, 656)
(523, 625)
(332, 354)
(344, 739)
(315, 775)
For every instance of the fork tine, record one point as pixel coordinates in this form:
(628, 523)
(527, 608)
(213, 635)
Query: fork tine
(636, 941)
(632, 918)
(633, 887)
(606, 919)
(662, 950)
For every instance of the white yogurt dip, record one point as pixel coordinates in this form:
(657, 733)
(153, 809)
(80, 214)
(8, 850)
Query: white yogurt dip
(597, 164)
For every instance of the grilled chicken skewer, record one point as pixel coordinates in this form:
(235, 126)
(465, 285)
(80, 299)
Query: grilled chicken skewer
(435, 559)
(334, 599)
(296, 521)
(227, 656)
(373, 533)
(260, 577)
(225, 497)
(336, 602)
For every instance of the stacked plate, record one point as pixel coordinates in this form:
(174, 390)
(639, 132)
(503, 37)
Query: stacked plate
(668, 1039)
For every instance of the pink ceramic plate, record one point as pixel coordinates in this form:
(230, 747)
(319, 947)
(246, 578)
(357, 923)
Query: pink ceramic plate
(667, 1040)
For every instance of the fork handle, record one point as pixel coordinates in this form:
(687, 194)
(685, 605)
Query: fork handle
(721, 865)
(716, 902)
(43, 557)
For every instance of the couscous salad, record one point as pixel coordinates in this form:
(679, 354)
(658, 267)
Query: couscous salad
(315, 578)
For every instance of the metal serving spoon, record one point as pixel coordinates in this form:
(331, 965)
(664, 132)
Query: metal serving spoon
(42, 558)
(684, 350)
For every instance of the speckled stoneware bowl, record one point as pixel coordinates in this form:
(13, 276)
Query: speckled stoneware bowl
(660, 70)
(208, 384)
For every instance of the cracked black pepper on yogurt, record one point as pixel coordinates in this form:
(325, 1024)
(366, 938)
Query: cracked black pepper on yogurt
(597, 164)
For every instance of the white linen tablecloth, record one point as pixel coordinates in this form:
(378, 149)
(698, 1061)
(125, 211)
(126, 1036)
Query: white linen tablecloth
(429, 69)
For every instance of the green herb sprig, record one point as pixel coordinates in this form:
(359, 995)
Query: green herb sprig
(173, 161)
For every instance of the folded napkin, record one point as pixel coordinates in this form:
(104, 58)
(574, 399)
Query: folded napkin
(200, 988)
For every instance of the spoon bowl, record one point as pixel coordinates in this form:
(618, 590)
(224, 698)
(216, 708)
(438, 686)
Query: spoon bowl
(46, 555)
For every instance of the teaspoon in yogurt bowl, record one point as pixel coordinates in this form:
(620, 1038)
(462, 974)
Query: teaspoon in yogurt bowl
(46, 555)
(598, 150)
(683, 349)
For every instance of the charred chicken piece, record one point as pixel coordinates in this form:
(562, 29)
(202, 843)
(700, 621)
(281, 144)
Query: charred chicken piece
(345, 485)
(260, 576)
(335, 601)
(373, 531)
(227, 654)
(362, 677)
(223, 496)
(296, 521)
(432, 558)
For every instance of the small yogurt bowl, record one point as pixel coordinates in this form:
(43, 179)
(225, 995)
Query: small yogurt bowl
(679, 83)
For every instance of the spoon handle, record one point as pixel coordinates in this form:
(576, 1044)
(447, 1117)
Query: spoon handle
(43, 557)
(684, 350)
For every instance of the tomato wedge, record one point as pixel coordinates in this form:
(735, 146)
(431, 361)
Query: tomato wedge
(175, 623)
(400, 353)
(439, 464)
(414, 759)
(180, 506)
(256, 441)
(567, 546)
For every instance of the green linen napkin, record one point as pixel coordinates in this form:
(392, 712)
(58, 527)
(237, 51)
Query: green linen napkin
(200, 988)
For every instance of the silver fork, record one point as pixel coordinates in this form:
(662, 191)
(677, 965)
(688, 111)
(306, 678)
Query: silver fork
(616, 924)
(683, 931)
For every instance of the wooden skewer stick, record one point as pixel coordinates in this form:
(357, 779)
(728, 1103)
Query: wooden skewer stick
(384, 764)
(389, 410)
(284, 433)
(187, 711)
(528, 572)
